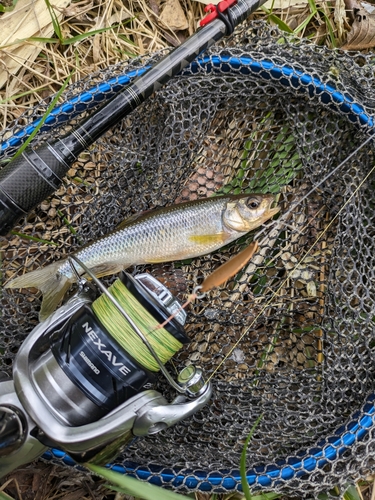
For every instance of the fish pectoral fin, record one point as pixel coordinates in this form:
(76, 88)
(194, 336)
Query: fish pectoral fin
(160, 260)
(53, 293)
(106, 268)
(207, 239)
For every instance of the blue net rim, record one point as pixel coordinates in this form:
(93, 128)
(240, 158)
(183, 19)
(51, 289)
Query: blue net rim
(330, 448)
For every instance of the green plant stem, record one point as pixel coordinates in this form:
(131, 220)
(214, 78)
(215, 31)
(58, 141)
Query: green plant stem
(43, 119)
(244, 483)
(131, 486)
(33, 238)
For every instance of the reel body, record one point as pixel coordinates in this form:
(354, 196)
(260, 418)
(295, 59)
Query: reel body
(76, 388)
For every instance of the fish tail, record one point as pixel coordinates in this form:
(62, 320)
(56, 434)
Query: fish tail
(49, 281)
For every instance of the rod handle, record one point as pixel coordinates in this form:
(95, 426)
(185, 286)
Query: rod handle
(29, 179)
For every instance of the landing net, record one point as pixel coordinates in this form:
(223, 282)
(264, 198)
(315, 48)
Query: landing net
(262, 114)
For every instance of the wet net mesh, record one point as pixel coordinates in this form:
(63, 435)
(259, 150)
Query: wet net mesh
(306, 360)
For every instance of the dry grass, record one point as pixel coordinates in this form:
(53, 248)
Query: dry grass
(40, 481)
(136, 27)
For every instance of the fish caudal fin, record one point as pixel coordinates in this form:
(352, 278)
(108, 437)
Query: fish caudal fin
(49, 281)
(53, 293)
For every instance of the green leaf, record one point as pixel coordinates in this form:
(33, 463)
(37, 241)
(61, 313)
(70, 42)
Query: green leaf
(74, 39)
(304, 23)
(266, 496)
(5, 496)
(279, 23)
(22, 94)
(352, 493)
(66, 41)
(134, 487)
(69, 226)
(55, 21)
(39, 39)
(125, 52)
(330, 29)
(126, 39)
(62, 41)
(244, 483)
(34, 238)
(8, 8)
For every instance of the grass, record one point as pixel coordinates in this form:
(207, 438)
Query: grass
(147, 491)
(318, 23)
(131, 486)
(80, 46)
(43, 119)
(8, 6)
(34, 238)
(244, 483)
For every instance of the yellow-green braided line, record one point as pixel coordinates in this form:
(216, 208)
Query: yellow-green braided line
(164, 344)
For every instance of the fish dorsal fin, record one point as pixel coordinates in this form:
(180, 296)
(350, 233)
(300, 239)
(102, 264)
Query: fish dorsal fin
(209, 239)
(132, 218)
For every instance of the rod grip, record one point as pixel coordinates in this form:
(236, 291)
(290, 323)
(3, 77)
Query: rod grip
(28, 180)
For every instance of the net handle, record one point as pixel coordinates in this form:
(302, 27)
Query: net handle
(265, 69)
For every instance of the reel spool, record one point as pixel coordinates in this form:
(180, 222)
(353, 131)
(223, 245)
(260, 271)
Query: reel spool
(82, 378)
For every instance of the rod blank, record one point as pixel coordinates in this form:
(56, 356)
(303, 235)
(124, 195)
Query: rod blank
(37, 173)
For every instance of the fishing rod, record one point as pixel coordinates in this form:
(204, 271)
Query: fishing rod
(37, 173)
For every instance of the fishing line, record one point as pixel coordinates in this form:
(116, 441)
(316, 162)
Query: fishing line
(309, 193)
(163, 342)
(302, 80)
(224, 272)
(275, 293)
(194, 295)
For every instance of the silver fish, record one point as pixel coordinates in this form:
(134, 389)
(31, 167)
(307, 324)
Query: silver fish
(177, 232)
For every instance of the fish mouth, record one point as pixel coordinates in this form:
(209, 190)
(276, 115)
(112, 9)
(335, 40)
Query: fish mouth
(273, 211)
(268, 214)
(270, 211)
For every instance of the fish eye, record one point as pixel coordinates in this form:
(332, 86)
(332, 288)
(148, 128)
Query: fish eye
(253, 203)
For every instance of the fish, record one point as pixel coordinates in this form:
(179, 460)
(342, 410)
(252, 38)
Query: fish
(177, 232)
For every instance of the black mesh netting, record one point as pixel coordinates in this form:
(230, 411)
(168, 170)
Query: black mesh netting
(306, 360)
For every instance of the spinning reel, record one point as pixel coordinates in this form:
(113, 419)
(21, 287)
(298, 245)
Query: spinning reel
(82, 379)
